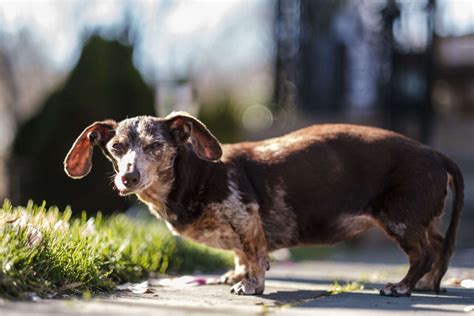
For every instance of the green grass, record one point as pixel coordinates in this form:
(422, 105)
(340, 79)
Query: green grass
(46, 252)
(337, 288)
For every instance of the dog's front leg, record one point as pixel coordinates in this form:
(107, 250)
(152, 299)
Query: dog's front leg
(239, 272)
(254, 249)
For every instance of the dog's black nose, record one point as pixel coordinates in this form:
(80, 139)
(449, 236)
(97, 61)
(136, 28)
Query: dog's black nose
(131, 179)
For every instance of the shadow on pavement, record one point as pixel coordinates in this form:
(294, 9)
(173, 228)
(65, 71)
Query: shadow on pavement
(453, 300)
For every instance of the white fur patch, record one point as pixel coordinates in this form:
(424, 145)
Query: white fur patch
(232, 208)
(278, 145)
(118, 183)
(398, 228)
(240, 264)
(354, 225)
(128, 159)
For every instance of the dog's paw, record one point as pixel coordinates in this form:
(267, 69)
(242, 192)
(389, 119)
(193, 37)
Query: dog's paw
(396, 290)
(231, 278)
(248, 287)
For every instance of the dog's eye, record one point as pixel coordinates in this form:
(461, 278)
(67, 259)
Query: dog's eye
(154, 146)
(118, 148)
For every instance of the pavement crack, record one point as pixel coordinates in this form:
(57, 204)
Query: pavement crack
(307, 300)
(335, 289)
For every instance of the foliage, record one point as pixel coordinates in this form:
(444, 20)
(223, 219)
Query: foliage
(310, 252)
(48, 253)
(222, 118)
(104, 84)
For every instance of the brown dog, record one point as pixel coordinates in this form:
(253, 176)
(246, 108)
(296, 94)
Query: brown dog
(318, 185)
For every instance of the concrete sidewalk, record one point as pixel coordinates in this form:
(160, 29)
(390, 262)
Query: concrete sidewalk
(291, 289)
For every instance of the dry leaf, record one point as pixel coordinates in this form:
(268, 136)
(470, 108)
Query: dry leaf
(184, 281)
(453, 281)
(136, 288)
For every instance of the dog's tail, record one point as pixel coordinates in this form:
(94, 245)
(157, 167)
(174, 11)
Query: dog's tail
(456, 183)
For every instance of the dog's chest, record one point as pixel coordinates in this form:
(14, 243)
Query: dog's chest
(210, 229)
(219, 224)
(214, 235)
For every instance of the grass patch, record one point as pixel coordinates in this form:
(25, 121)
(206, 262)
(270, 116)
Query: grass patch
(46, 252)
(337, 288)
(310, 252)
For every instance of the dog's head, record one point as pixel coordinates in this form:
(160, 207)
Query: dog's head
(142, 149)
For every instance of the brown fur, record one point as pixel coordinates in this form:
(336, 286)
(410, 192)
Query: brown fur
(318, 185)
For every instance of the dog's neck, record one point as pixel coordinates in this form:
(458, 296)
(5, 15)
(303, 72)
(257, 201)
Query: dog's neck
(194, 178)
(179, 199)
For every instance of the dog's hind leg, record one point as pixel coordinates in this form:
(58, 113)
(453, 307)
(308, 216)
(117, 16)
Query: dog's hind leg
(396, 218)
(435, 238)
(432, 280)
(421, 259)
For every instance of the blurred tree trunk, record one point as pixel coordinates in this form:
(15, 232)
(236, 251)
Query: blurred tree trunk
(9, 89)
(309, 63)
(10, 116)
(287, 17)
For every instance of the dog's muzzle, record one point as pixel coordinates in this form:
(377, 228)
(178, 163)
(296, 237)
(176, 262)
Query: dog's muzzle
(131, 179)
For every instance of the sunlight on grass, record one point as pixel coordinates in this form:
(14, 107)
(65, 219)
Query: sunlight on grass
(46, 252)
(337, 288)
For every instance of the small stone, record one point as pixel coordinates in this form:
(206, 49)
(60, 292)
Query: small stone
(469, 308)
(467, 284)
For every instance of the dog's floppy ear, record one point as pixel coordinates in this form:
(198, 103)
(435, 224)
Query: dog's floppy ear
(184, 126)
(78, 162)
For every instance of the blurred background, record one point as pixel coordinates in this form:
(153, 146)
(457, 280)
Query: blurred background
(248, 69)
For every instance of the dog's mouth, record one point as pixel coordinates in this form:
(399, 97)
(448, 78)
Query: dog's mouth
(130, 191)
(125, 191)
